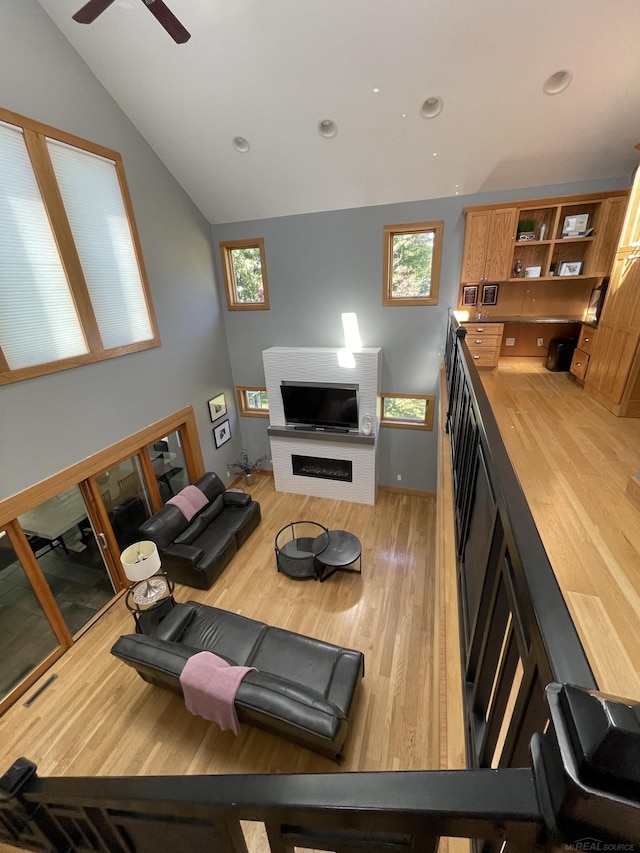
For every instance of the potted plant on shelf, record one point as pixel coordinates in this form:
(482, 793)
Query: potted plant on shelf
(245, 466)
(527, 229)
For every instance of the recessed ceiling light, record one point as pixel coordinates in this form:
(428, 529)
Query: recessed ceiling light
(404, 115)
(376, 90)
(557, 83)
(435, 154)
(240, 144)
(432, 107)
(327, 128)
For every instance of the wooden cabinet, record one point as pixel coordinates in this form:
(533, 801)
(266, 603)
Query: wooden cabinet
(582, 352)
(533, 247)
(488, 245)
(614, 368)
(484, 341)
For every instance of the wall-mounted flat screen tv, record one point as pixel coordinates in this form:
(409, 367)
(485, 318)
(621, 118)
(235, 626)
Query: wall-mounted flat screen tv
(323, 405)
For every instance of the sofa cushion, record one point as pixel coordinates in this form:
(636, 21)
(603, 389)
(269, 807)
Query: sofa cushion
(227, 634)
(211, 485)
(236, 518)
(236, 499)
(195, 529)
(175, 623)
(164, 527)
(280, 699)
(297, 658)
(213, 510)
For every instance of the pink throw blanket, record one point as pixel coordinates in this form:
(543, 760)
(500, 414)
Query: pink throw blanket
(189, 501)
(210, 685)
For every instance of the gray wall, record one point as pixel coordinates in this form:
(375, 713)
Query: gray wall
(321, 264)
(50, 422)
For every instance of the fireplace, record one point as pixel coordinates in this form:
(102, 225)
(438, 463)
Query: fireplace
(323, 469)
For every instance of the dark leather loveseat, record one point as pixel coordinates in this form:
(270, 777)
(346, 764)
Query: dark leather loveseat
(303, 688)
(195, 552)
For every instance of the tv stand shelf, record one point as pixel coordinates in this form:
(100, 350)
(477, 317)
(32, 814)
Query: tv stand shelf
(321, 435)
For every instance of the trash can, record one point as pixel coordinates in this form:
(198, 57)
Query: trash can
(560, 353)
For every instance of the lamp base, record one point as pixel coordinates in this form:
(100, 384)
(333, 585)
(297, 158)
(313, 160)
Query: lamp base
(149, 591)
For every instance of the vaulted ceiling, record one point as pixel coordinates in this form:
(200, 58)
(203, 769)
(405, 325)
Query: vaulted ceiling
(270, 70)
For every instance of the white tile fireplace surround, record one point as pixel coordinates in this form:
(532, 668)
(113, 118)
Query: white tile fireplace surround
(324, 464)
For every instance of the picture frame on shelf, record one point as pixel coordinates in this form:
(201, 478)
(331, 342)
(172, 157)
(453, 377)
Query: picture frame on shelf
(217, 407)
(575, 224)
(489, 294)
(470, 294)
(532, 272)
(222, 433)
(570, 268)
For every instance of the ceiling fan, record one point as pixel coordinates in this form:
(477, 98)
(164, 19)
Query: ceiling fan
(165, 16)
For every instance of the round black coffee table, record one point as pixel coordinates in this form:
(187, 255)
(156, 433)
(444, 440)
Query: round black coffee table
(336, 551)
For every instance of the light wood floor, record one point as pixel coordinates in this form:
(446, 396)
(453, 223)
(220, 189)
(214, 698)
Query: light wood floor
(574, 460)
(100, 718)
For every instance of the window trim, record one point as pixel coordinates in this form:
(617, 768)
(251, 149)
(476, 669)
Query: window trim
(399, 423)
(244, 409)
(390, 231)
(226, 249)
(35, 142)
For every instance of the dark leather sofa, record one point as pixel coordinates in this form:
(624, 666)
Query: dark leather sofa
(303, 688)
(195, 552)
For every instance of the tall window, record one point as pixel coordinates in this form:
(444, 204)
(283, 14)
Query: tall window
(72, 281)
(245, 274)
(411, 271)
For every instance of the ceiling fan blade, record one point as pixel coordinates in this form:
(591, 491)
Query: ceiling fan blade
(91, 10)
(168, 20)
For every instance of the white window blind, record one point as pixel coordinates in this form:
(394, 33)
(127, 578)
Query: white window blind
(38, 319)
(93, 201)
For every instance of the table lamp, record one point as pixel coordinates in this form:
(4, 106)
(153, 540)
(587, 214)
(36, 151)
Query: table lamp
(140, 561)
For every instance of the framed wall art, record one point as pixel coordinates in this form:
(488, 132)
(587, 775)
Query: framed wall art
(217, 407)
(470, 294)
(222, 433)
(489, 294)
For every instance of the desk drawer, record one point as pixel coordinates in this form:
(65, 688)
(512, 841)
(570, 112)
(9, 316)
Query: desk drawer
(478, 341)
(587, 336)
(579, 364)
(485, 357)
(480, 328)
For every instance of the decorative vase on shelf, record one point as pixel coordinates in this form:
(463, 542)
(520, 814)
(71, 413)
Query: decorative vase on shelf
(517, 269)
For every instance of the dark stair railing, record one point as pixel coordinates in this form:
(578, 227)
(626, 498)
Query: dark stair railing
(516, 632)
(582, 788)
(566, 759)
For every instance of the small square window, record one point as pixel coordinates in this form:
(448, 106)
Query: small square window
(407, 411)
(245, 274)
(252, 401)
(412, 254)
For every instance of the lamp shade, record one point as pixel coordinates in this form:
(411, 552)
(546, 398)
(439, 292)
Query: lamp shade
(140, 560)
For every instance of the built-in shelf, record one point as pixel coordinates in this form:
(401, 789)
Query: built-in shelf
(321, 435)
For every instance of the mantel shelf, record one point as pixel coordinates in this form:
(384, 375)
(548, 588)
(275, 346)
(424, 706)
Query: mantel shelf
(321, 435)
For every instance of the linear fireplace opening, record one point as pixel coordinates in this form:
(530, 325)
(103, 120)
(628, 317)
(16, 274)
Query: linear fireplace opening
(323, 469)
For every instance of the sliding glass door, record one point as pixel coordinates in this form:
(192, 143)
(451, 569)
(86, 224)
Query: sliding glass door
(27, 637)
(60, 557)
(70, 556)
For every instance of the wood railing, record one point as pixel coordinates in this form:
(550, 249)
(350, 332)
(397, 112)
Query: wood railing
(516, 631)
